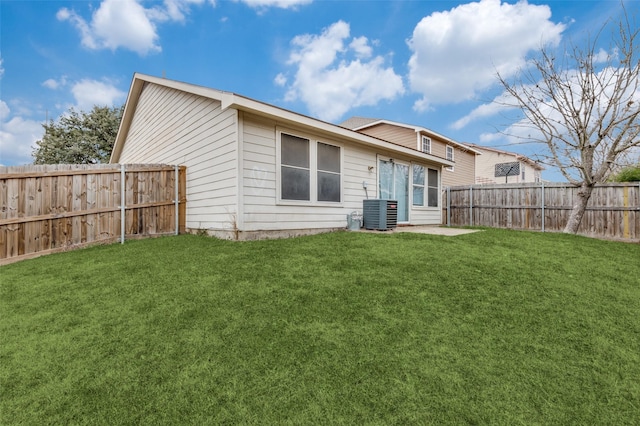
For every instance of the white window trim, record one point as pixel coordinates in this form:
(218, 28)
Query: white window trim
(424, 139)
(313, 170)
(410, 183)
(449, 147)
(426, 187)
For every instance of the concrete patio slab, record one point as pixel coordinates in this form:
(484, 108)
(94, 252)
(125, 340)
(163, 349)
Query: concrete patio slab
(430, 229)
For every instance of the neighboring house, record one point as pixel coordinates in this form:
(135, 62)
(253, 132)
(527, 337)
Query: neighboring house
(255, 170)
(425, 140)
(497, 166)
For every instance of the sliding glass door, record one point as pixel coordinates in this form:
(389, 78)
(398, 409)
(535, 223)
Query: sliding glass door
(394, 185)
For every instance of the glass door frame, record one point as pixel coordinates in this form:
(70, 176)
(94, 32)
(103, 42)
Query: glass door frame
(395, 162)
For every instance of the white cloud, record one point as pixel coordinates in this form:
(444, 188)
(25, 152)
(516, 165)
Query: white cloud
(456, 53)
(330, 82)
(602, 56)
(173, 10)
(283, 4)
(522, 131)
(485, 110)
(1, 67)
(4, 110)
(19, 133)
(54, 84)
(88, 93)
(280, 80)
(127, 24)
(361, 46)
(17, 137)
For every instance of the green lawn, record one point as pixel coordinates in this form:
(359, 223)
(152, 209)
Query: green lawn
(495, 327)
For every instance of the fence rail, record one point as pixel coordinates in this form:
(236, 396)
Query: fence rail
(613, 210)
(49, 208)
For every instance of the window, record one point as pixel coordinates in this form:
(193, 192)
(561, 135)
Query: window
(425, 186)
(432, 197)
(309, 170)
(426, 145)
(418, 185)
(328, 172)
(450, 157)
(295, 172)
(523, 173)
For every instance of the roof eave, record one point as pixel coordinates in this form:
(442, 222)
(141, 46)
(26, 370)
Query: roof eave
(418, 130)
(242, 103)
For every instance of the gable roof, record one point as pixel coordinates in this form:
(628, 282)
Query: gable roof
(360, 123)
(357, 122)
(242, 103)
(517, 156)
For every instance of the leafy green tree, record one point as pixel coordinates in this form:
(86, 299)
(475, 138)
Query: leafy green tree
(79, 137)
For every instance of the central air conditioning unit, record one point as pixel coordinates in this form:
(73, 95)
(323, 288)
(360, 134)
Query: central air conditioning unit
(380, 215)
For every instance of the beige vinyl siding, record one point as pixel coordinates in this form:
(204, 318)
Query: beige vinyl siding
(464, 171)
(396, 134)
(485, 173)
(425, 215)
(261, 210)
(175, 127)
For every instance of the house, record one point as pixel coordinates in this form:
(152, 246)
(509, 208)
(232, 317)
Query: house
(255, 170)
(425, 140)
(497, 166)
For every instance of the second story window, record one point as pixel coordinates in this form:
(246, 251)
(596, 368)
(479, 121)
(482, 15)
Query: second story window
(425, 145)
(450, 156)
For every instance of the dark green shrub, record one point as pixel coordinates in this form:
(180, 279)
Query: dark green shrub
(628, 174)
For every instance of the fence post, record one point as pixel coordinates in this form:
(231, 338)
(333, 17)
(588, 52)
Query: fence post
(448, 206)
(542, 205)
(123, 200)
(177, 200)
(471, 206)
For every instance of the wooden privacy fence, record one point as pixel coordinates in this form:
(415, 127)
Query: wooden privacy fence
(51, 208)
(613, 210)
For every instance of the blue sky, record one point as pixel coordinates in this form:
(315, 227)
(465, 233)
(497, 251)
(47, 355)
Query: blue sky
(427, 63)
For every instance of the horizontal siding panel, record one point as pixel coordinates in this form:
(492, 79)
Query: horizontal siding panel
(464, 170)
(425, 217)
(259, 149)
(396, 134)
(179, 128)
(261, 212)
(252, 159)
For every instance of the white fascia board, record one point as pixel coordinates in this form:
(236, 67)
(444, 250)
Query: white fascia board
(419, 130)
(185, 87)
(231, 100)
(241, 103)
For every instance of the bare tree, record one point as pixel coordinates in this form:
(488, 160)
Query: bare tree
(585, 107)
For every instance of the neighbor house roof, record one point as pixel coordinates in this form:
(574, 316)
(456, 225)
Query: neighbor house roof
(242, 103)
(359, 123)
(517, 156)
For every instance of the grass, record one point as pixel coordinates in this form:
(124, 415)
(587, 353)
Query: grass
(496, 327)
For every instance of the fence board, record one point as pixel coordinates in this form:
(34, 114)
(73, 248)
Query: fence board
(44, 209)
(612, 212)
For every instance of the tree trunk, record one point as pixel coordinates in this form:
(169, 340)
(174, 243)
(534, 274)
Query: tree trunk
(579, 207)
